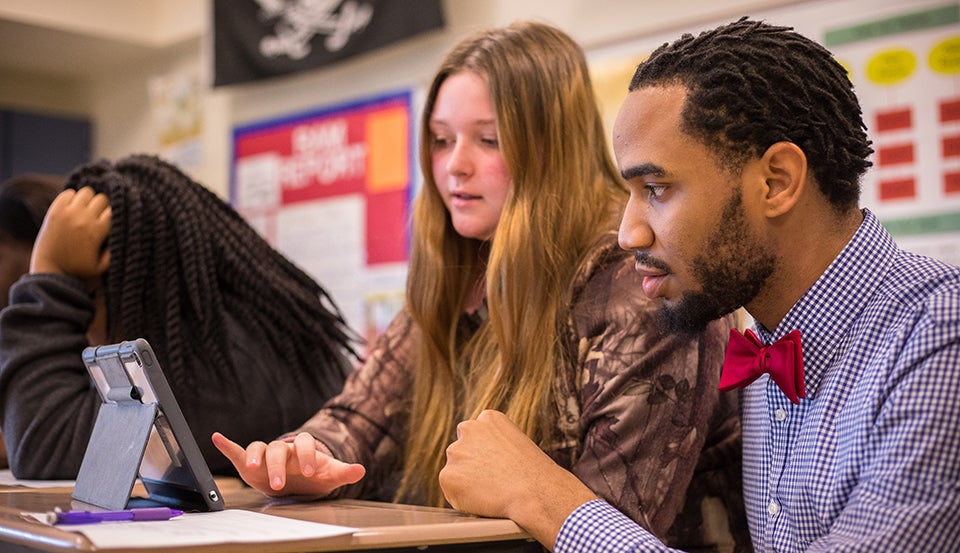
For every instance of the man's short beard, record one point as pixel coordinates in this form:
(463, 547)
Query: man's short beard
(730, 275)
(691, 314)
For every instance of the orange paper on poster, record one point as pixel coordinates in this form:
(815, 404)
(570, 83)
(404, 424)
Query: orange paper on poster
(388, 152)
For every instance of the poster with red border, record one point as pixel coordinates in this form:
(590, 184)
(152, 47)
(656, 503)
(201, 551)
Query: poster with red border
(331, 190)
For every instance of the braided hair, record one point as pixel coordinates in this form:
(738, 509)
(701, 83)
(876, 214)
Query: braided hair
(181, 259)
(750, 84)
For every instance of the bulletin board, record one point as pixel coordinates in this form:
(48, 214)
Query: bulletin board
(331, 189)
(904, 61)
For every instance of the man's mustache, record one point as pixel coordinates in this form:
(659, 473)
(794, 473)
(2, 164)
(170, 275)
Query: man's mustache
(646, 260)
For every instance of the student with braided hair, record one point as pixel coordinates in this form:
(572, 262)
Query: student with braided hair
(137, 249)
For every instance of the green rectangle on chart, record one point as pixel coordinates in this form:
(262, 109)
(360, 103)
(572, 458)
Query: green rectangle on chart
(930, 224)
(936, 17)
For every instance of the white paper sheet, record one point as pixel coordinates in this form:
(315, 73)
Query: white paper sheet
(192, 529)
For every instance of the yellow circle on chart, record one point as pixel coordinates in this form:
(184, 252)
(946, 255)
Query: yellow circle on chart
(945, 56)
(891, 66)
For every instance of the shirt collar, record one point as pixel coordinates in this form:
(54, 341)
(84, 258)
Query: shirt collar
(829, 307)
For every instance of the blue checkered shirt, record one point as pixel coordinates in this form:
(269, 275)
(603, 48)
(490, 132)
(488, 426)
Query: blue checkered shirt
(870, 460)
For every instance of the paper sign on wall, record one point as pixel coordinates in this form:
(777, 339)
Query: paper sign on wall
(331, 190)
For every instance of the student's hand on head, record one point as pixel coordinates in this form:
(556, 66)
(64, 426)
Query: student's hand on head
(71, 238)
(493, 469)
(288, 468)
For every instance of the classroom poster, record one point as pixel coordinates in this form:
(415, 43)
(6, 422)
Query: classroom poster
(177, 112)
(331, 190)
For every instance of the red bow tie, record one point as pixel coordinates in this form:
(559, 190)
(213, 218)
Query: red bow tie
(747, 358)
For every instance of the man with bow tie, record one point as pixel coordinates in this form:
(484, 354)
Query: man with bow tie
(743, 148)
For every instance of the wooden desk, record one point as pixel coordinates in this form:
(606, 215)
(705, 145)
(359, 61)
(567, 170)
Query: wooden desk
(384, 526)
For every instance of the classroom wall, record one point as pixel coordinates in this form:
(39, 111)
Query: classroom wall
(164, 41)
(118, 101)
(149, 45)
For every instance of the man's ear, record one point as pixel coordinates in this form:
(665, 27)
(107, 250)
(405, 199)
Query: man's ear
(784, 167)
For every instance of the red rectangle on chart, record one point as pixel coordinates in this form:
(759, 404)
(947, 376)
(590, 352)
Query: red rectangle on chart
(949, 111)
(895, 155)
(894, 120)
(951, 183)
(898, 189)
(387, 227)
(950, 146)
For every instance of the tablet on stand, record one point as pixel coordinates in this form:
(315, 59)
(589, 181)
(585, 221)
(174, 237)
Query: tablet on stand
(140, 431)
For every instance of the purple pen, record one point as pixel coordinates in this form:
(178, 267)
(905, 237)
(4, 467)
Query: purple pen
(91, 517)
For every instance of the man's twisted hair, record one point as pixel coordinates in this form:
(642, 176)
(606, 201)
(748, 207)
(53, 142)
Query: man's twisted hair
(181, 259)
(751, 84)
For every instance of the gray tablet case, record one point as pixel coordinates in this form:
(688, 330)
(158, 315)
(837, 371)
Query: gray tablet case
(140, 430)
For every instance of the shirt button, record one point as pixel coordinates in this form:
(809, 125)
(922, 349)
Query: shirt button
(773, 508)
(780, 415)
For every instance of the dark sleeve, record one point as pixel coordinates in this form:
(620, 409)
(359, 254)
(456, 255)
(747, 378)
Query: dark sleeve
(46, 399)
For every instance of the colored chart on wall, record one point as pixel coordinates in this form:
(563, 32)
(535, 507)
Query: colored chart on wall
(331, 190)
(906, 72)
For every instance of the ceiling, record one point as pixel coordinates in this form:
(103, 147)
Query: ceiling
(27, 48)
(71, 39)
